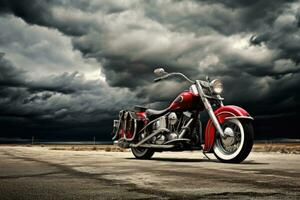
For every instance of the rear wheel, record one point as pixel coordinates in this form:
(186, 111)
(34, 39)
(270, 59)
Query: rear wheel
(142, 153)
(236, 147)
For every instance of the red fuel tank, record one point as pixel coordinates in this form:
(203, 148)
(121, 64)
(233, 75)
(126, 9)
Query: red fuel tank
(186, 101)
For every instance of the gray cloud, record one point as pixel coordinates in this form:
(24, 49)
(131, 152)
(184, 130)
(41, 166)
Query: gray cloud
(253, 46)
(9, 75)
(61, 102)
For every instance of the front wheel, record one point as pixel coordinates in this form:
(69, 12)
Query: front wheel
(236, 147)
(142, 153)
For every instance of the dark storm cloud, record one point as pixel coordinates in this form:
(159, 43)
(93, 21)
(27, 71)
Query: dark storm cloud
(54, 103)
(253, 46)
(39, 12)
(34, 12)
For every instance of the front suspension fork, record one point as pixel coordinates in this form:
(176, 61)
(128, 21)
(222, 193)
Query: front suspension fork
(210, 110)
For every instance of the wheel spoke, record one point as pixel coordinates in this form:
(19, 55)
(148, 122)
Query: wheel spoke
(227, 145)
(235, 128)
(235, 148)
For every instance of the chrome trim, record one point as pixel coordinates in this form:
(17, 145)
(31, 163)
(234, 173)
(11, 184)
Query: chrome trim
(210, 125)
(212, 85)
(135, 126)
(152, 135)
(185, 128)
(221, 100)
(182, 75)
(116, 126)
(229, 132)
(178, 140)
(134, 133)
(160, 72)
(239, 117)
(187, 114)
(176, 74)
(165, 75)
(204, 84)
(212, 97)
(116, 123)
(155, 146)
(209, 109)
(151, 122)
(193, 89)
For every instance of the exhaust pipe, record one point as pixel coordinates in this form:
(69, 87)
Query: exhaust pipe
(154, 146)
(150, 136)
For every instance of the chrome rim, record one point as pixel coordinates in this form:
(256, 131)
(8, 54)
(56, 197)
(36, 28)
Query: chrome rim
(230, 147)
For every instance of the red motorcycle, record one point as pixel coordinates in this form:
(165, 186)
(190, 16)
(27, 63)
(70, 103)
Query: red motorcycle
(228, 133)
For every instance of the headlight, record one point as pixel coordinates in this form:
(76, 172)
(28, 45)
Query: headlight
(216, 86)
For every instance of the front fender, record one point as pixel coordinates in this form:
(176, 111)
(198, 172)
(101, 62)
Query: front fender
(223, 113)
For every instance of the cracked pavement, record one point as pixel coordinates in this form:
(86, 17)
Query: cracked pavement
(40, 173)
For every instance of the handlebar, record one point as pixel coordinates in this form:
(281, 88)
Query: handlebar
(157, 79)
(173, 74)
(161, 78)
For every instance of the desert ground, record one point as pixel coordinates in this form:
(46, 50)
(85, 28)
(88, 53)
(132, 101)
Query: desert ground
(106, 172)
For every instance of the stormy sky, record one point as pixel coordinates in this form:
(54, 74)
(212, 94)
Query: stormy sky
(67, 67)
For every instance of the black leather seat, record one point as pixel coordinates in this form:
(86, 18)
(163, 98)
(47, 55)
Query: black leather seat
(156, 113)
(138, 108)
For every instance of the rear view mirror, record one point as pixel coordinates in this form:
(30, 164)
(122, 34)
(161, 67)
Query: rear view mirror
(160, 72)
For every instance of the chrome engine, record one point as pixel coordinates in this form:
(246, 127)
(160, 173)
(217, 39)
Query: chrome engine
(169, 122)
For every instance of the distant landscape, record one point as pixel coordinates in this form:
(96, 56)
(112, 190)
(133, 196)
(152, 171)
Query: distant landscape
(287, 146)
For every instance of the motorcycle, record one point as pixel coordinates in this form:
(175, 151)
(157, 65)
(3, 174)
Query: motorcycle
(228, 132)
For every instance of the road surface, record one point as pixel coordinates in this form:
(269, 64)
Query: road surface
(40, 173)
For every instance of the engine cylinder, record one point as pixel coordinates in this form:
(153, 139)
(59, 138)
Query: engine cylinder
(172, 118)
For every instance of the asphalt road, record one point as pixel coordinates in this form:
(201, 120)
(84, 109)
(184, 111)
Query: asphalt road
(39, 173)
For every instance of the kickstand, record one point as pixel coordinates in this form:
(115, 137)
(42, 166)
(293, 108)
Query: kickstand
(206, 155)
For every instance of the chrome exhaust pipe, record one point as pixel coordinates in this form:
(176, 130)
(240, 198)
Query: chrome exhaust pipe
(154, 146)
(150, 136)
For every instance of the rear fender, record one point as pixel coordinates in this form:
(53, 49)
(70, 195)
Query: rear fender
(223, 113)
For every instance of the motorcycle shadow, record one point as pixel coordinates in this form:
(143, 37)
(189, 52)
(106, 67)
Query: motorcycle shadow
(187, 160)
(175, 159)
(247, 162)
(252, 162)
(179, 159)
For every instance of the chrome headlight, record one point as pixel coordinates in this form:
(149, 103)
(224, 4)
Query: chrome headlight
(216, 86)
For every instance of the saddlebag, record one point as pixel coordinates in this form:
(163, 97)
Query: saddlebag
(127, 126)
